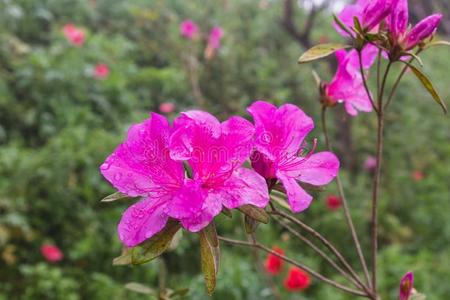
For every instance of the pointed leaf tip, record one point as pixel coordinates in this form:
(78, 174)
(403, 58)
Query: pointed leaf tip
(114, 197)
(320, 51)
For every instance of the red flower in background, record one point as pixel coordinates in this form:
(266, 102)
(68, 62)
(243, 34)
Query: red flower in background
(51, 253)
(297, 280)
(333, 202)
(101, 71)
(273, 263)
(166, 107)
(417, 175)
(74, 35)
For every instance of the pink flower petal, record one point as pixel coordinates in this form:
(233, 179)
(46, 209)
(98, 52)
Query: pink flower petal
(141, 221)
(211, 208)
(245, 186)
(298, 198)
(318, 169)
(141, 165)
(187, 202)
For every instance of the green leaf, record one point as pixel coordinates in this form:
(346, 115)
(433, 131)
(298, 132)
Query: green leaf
(178, 293)
(210, 256)
(114, 197)
(250, 224)
(320, 51)
(156, 245)
(428, 85)
(357, 24)
(227, 212)
(124, 259)
(140, 288)
(342, 25)
(255, 213)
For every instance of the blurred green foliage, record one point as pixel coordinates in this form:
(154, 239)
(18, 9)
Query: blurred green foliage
(57, 124)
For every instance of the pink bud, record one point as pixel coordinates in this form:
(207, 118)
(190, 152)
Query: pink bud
(406, 286)
(421, 31)
(398, 21)
(375, 12)
(74, 35)
(101, 71)
(51, 253)
(166, 107)
(188, 29)
(370, 163)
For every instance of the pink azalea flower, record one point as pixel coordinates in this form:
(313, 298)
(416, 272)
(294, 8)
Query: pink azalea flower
(51, 253)
(370, 14)
(215, 36)
(405, 37)
(406, 286)
(347, 85)
(149, 164)
(370, 163)
(166, 107)
(101, 71)
(189, 29)
(279, 139)
(74, 35)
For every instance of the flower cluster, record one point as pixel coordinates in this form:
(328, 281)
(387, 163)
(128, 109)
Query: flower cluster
(191, 170)
(190, 30)
(380, 25)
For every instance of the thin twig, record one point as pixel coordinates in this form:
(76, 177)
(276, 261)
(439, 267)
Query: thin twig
(345, 204)
(297, 264)
(366, 87)
(356, 281)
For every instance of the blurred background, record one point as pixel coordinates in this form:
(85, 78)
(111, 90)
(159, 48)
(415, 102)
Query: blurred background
(68, 93)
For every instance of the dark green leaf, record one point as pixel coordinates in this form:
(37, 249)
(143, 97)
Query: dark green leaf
(124, 259)
(210, 256)
(140, 288)
(428, 85)
(227, 212)
(255, 213)
(155, 246)
(320, 51)
(357, 24)
(114, 197)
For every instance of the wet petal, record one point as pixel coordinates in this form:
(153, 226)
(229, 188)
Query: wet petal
(141, 221)
(211, 208)
(298, 198)
(187, 202)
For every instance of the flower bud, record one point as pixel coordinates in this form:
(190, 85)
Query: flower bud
(398, 20)
(421, 31)
(406, 286)
(375, 12)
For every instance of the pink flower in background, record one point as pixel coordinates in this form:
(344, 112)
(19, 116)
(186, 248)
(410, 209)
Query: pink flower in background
(166, 107)
(101, 71)
(333, 202)
(417, 175)
(51, 253)
(370, 14)
(280, 134)
(189, 29)
(74, 35)
(149, 164)
(406, 286)
(215, 36)
(347, 85)
(405, 37)
(370, 163)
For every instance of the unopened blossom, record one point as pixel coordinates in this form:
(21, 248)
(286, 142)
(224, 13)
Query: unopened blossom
(406, 286)
(297, 280)
(189, 29)
(333, 202)
(402, 35)
(214, 39)
(74, 35)
(347, 85)
(51, 253)
(370, 13)
(273, 263)
(101, 71)
(370, 163)
(167, 107)
(279, 151)
(149, 164)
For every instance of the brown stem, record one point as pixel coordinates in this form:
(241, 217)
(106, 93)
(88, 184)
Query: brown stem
(345, 204)
(366, 87)
(318, 236)
(356, 281)
(297, 264)
(376, 180)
